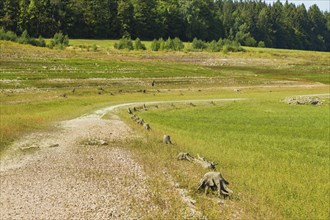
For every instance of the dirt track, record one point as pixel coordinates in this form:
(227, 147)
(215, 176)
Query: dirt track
(73, 180)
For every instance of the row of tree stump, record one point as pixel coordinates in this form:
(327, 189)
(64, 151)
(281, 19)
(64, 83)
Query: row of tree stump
(211, 180)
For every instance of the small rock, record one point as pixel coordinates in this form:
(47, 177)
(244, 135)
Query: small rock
(54, 145)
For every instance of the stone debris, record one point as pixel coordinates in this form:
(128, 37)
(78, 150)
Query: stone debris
(30, 147)
(303, 100)
(93, 141)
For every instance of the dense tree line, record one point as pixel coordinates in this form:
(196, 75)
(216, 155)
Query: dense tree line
(250, 22)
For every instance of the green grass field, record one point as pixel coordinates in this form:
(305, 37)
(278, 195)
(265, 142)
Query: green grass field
(275, 155)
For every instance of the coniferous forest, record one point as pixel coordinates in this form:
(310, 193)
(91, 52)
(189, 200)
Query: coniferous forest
(250, 22)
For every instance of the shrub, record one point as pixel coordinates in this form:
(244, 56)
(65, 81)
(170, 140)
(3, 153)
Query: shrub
(221, 42)
(155, 45)
(231, 46)
(245, 38)
(7, 35)
(124, 43)
(177, 44)
(171, 44)
(94, 47)
(261, 44)
(138, 45)
(250, 41)
(59, 41)
(161, 44)
(198, 44)
(213, 46)
(24, 38)
(40, 42)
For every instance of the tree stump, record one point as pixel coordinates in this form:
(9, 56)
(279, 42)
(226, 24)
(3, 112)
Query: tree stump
(146, 126)
(204, 163)
(167, 139)
(129, 111)
(215, 181)
(185, 156)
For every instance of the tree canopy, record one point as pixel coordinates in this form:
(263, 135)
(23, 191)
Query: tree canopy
(250, 22)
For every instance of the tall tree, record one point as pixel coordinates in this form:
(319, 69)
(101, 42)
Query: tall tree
(9, 10)
(171, 21)
(40, 19)
(318, 32)
(200, 19)
(146, 20)
(126, 18)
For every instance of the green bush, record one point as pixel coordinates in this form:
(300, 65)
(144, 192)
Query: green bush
(40, 42)
(94, 47)
(138, 45)
(59, 41)
(161, 44)
(231, 46)
(261, 44)
(124, 43)
(198, 44)
(24, 38)
(7, 35)
(225, 45)
(213, 46)
(171, 44)
(178, 44)
(221, 42)
(155, 45)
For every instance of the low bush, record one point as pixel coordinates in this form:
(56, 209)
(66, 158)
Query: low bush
(155, 45)
(23, 39)
(124, 43)
(170, 44)
(138, 45)
(261, 44)
(213, 46)
(59, 41)
(224, 45)
(198, 44)
(7, 35)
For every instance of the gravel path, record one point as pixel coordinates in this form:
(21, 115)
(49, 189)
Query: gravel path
(71, 180)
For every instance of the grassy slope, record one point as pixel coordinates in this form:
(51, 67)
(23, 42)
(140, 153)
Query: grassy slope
(274, 154)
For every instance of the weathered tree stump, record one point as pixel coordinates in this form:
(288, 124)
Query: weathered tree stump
(146, 126)
(129, 111)
(204, 163)
(140, 122)
(215, 181)
(185, 156)
(167, 139)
